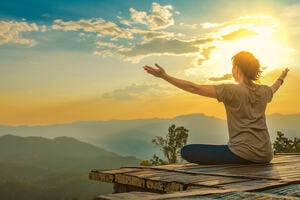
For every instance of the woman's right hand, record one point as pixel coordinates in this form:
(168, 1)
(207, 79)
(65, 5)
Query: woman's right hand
(157, 72)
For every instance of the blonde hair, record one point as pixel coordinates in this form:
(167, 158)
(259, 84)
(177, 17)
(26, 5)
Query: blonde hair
(248, 64)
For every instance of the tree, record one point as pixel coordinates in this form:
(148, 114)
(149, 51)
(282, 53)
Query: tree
(285, 145)
(172, 143)
(157, 160)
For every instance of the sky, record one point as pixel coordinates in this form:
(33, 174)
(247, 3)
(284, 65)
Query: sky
(66, 61)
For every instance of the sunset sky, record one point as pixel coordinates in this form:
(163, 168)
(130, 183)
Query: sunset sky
(65, 61)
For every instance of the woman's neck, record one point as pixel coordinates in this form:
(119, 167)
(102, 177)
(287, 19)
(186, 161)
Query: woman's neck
(245, 81)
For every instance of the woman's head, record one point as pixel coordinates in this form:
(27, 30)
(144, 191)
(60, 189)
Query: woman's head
(247, 64)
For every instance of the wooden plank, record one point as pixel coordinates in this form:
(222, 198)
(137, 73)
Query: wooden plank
(213, 168)
(251, 195)
(252, 185)
(226, 174)
(219, 181)
(119, 170)
(109, 178)
(108, 175)
(147, 173)
(127, 196)
(187, 179)
(189, 193)
(164, 186)
(165, 183)
(286, 159)
(200, 194)
(286, 190)
(129, 180)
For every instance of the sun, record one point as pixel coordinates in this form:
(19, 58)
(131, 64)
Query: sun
(260, 34)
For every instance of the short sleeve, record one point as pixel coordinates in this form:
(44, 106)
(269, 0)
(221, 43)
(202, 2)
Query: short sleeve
(269, 93)
(224, 92)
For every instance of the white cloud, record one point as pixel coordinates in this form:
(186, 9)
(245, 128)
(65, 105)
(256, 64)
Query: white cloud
(103, 53)
(11, 32)
(119, 39)
(43, 28)
(189, 26)
(151, 34)
(160, 17)
(125, 22)
(139, 17)
(99, 26)
(208, 25)
(105, 44)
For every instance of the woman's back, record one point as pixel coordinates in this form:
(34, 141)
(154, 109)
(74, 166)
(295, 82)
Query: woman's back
(245, 108)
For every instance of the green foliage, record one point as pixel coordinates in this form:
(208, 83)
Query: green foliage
(171, 144)
(157, 161)
(154, 161)
(285, 145)
(145, 163)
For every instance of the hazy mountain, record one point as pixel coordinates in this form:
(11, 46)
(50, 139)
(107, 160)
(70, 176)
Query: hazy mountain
(133, 137)
(40, 168)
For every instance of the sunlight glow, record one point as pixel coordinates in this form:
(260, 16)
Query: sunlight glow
(263, 37)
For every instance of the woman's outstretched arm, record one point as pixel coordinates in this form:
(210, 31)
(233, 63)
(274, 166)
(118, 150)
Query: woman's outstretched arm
(203, 90)
(280, 80)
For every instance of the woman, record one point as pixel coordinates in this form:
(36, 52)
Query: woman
(245, 104)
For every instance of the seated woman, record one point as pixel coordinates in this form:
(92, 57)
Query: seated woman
(245, 104)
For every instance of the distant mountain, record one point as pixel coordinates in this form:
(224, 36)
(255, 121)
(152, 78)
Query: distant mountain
(40, 168)
(133, 137)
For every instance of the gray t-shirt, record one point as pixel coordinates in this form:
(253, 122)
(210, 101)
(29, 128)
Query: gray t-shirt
(245, 110)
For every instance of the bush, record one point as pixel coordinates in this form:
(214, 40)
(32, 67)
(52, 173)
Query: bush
(285, 145)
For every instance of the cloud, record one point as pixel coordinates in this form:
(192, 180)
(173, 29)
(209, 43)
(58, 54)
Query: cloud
(166, 43)
(165, 46)
(103, 53)
(11, 32)
(105, 44)
(136, 91)
(188, 26)
(138, 17)
(222, 78)
(239, 33)
(134, 42)
(207, 25)
(150, 34)
(161, 16)
(100, 26)
(205, 54)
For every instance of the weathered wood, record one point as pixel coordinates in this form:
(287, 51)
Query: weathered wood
(205, 193)
(127, 196)
(186, 179)
(109, 178)
(252, 195)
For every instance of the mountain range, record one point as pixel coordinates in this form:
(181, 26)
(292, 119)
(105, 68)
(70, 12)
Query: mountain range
(35, 168)
(133, 137)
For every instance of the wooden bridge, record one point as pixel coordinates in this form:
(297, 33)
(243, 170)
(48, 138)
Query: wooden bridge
(279, 179)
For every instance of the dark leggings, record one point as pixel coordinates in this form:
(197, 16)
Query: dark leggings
(206, 154)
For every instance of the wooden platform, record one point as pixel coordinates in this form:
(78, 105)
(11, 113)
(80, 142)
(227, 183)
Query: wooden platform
(184, 181)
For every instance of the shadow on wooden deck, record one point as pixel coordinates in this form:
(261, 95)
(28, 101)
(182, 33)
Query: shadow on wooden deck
(192, 181)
